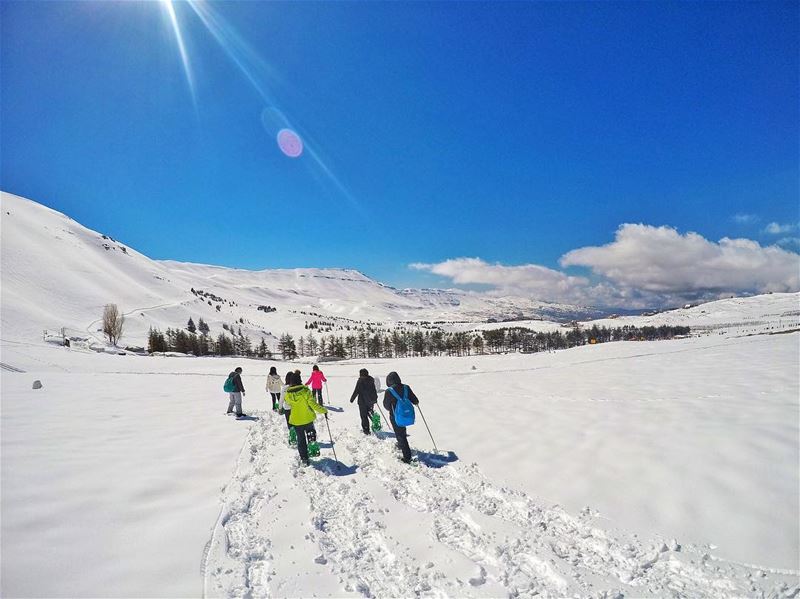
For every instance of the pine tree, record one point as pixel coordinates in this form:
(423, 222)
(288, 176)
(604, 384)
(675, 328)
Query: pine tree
(288, 349)
(361, 340)
(374, 349)
(202, 327)
(190, 326)
(170, 339)
(156, 341)
(202, 345)
(224, 345)
(311, 344)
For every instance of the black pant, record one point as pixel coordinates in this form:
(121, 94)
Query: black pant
(317, 394)
(302, 443)
(275, 398)
(287, 413)
(402, 438)
(366, 415)
(306, 433)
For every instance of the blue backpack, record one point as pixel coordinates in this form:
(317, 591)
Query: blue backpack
(229, 386)
(403, 409)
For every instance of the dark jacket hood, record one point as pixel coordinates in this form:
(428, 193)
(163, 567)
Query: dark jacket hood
(392, 379)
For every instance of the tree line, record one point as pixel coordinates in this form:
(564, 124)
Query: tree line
(203, 344)
(400, 344)
(196, 340)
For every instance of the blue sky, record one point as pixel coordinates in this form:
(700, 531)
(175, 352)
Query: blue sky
(509, 132)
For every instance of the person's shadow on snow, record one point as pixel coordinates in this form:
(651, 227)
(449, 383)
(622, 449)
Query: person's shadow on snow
(334, 468)
(334, 409)
(436, 460)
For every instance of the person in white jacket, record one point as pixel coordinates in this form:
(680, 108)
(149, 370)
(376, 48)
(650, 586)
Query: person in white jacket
(274, 385)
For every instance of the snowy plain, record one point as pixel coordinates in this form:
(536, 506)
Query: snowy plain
(640, 468)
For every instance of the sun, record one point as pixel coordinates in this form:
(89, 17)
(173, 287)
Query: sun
(173, 18)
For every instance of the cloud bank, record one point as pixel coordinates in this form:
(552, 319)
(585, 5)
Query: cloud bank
(643, 266)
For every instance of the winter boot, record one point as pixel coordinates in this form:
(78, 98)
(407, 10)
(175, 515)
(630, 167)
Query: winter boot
(313, 449)
(376, 422)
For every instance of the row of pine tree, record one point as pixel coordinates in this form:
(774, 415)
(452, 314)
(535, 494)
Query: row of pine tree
(398, 343)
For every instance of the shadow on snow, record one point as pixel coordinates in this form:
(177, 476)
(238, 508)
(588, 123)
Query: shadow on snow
(436, 460)
(332, 467)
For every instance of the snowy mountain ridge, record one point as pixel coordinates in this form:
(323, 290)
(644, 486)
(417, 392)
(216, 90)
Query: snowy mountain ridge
(57, 274)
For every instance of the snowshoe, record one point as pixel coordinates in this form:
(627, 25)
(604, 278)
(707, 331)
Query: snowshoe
(313, 449)
(376, 422)
(292, 436)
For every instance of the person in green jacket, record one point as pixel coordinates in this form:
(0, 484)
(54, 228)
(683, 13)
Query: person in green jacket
(304, 411)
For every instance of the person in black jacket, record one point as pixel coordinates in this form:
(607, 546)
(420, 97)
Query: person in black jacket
(367, 397)
(389, 402)
(237, 394)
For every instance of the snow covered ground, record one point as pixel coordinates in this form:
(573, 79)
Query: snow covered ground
(641, 469)
(635, 469)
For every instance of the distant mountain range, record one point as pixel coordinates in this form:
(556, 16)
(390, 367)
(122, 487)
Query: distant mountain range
(57, 273)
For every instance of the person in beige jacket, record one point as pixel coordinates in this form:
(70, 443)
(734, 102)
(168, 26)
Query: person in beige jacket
(274, 385)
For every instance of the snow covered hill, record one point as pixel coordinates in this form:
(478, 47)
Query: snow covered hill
(57, 273)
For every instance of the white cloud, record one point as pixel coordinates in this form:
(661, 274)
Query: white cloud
(532, 279)
(778, 229)
(660, 260)
(644, 266)
(789, 241)
(745, 219)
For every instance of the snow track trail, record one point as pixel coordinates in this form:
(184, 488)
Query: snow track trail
(363, 524)
(550, 552)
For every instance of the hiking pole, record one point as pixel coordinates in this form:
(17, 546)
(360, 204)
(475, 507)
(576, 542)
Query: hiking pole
(331, 438)
(377, 405)
(327, 393)
(426, 426)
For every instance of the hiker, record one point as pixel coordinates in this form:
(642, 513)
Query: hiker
(316, 380)
(285, 408)
(236, 395)
(312, 435)
(395, 390)
(274, 387)
(304, 411)
(367, 396)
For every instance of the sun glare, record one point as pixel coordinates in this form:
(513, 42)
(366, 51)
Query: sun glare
(170, 10)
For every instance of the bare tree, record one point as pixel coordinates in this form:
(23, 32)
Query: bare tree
(113, 320)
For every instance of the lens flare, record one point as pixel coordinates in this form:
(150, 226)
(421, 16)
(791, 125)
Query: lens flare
(167, 4)
(263, 79)
(290, 143)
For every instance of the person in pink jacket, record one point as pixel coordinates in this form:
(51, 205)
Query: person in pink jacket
(316, 380)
